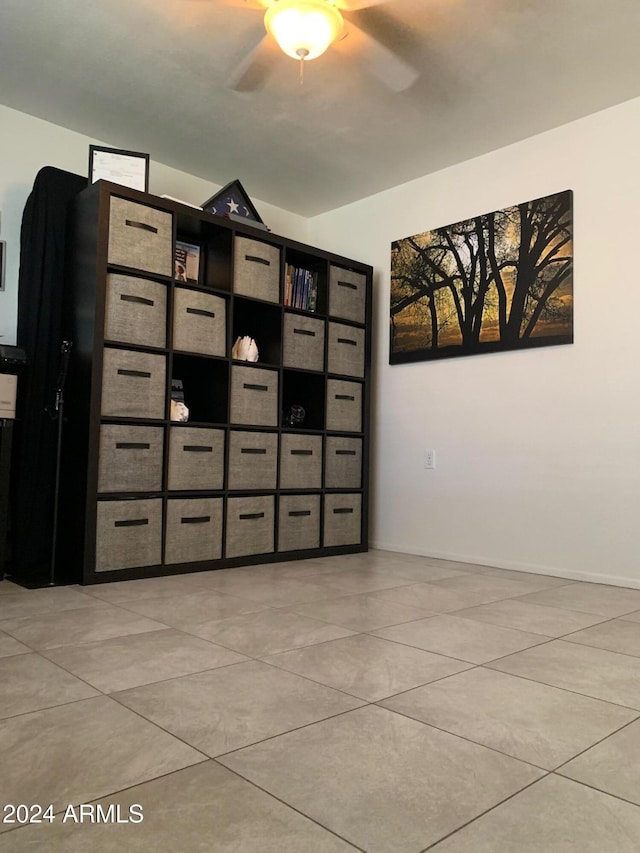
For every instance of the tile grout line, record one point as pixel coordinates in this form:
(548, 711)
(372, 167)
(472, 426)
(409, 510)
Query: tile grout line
(573, 609)
(567, 689)
(543, 642)
(600, 648)
(593, 745)
(546, 770)
(460, 615)
(290, 731)
(80, 643)
(118, 791)
(4, 720)
(288, 805)
(353, 695)
(595, 788)
(163, 730)
(101, 696)
(485, 812)
(147, 683)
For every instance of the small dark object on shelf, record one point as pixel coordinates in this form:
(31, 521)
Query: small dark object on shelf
(294, 415)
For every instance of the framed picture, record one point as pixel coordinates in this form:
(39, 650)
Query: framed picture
(500, 281)
(128, 168)
(3, 262)
(186, 262)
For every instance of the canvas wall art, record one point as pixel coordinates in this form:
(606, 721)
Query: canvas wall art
(499, 281)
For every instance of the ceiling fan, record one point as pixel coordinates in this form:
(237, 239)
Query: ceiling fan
(304, 29)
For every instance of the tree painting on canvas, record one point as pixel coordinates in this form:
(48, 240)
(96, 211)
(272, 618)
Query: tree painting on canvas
(499, 281)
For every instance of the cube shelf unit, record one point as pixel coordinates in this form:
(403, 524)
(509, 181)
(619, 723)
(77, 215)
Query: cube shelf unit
(240, 482)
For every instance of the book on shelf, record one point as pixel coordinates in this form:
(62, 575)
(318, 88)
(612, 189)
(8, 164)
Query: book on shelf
(301, 288)
(288, 284)
(298, 297)
(313, 292)
(186, 262)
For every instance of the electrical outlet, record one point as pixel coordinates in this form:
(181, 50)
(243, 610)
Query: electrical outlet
(429, 459)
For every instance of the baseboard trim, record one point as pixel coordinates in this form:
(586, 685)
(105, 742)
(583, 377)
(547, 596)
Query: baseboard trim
(555, 571)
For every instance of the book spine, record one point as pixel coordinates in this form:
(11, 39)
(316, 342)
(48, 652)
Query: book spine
(313, 296)
(298, 298)
(287, 285)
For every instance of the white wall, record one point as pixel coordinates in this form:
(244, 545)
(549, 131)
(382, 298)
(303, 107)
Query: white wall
(27, 144)
(538, 451)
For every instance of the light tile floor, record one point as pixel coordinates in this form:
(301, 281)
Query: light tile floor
(379, 702)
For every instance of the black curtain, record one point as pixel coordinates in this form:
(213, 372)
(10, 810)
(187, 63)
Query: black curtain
(40, 323)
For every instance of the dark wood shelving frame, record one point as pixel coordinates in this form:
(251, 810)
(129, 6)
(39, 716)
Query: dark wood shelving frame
(85, 317)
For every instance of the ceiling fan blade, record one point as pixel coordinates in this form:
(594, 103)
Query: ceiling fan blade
(252, 72)
(247, 4)
(358, 5)
(383, 63)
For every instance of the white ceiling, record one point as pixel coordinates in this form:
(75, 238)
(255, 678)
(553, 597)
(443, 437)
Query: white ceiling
(150, 75)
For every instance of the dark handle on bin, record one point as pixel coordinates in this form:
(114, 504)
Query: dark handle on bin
(304, 332)
(144, 225)
(201, 312)
(246, 515)
(257, 260)
(300, 512)
(197, 448)
(142, 374)
(132, 445)
(302, 452)
(196, 519)
(126, 297)
(131, 522)
(345, 453)
(345, 397)
(348, 284)
(250, 387)
(348, 341)
(257, 450)
(343, 509)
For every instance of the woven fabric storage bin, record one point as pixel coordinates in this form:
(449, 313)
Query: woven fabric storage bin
(193, 530)
(140, 237)
(347, 294)
(128, 534)
(256, 268)
(342, 520)
(299, 522)
(250, 526)
(135, 311)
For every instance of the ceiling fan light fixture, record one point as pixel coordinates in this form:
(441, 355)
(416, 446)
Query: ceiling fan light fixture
(304, 29)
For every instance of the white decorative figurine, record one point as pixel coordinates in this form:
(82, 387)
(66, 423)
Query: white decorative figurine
(245, 349)
(179, 412)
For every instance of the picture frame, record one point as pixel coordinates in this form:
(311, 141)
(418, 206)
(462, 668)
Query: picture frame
(499, 281)
(127, 168)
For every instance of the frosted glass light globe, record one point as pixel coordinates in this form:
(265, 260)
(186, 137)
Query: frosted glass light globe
(304, 29)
